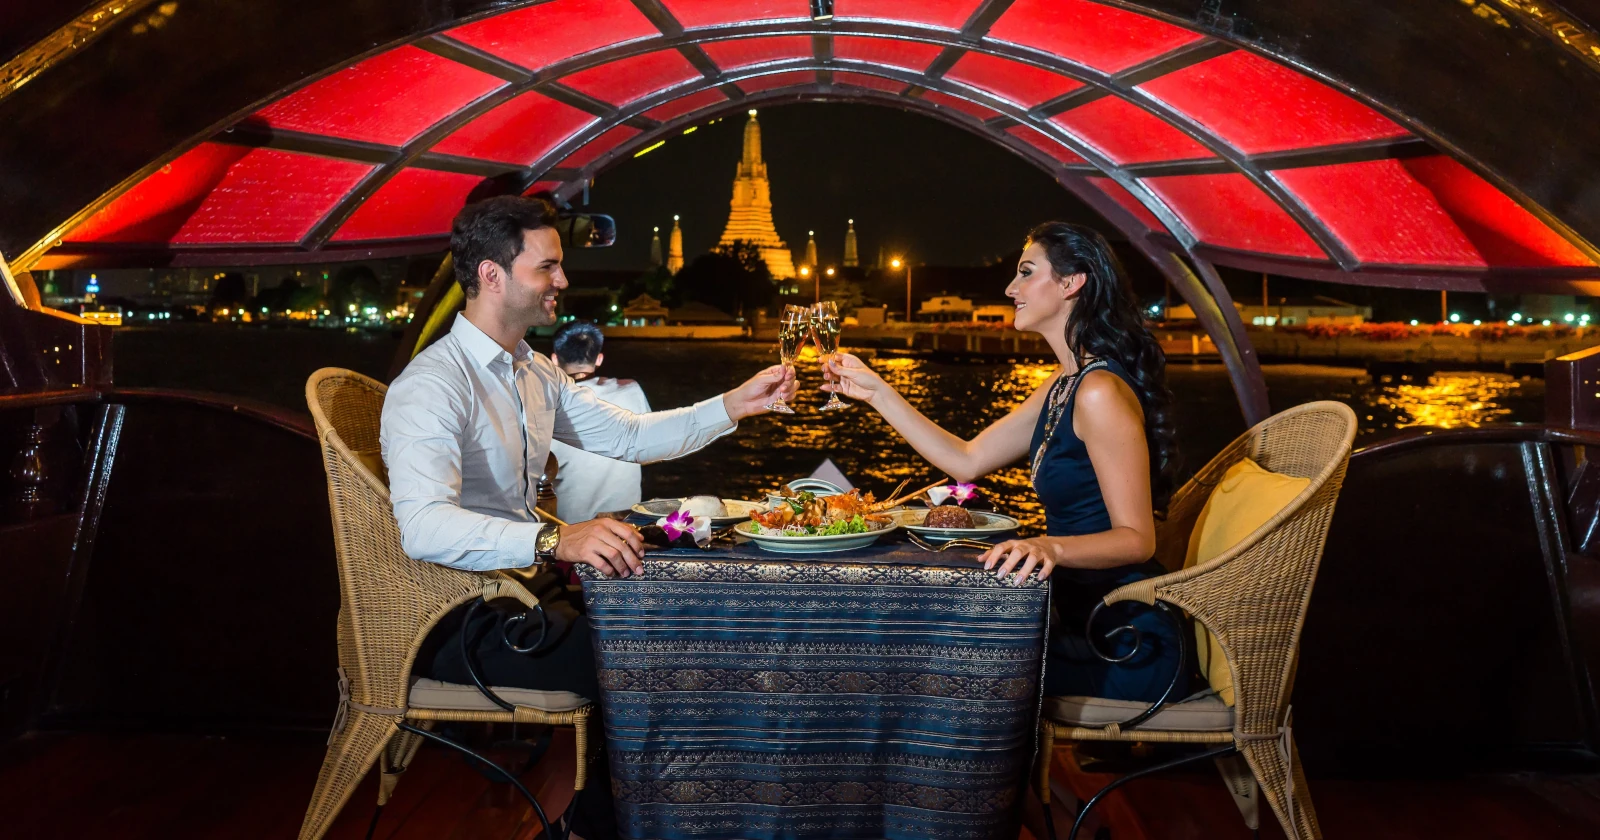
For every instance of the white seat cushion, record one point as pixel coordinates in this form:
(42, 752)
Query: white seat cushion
(433, 694)
(1203, 712)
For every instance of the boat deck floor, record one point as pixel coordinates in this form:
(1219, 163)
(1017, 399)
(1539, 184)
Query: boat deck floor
(113, 785)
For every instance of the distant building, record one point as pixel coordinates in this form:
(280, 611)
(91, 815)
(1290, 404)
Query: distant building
(811, 249)
(945, 308)
(644, 311)
(1289, 312)
(655, 249)
(852, 259)
(750, 214)
(699, 314)
(675, 248)
(995, 313)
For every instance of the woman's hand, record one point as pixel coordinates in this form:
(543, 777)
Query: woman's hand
(1040, 553)
(850, 377)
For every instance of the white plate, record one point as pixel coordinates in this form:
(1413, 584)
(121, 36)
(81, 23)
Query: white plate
(811, 545)
(738, 510)
(985, 525)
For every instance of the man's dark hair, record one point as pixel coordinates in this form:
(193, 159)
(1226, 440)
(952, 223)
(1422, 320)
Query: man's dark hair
(579, 343)
(492, 230)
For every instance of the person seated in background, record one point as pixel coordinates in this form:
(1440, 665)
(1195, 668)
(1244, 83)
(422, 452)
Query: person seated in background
(465, 431)
(587, 484)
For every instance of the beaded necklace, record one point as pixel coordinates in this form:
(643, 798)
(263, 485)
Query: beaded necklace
(1056, 406)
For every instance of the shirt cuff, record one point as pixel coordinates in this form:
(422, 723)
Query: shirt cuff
(712, 415)
(519, 544)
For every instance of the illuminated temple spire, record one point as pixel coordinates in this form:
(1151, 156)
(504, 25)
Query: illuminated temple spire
(851, 258)
(811, 248)
(655, 249)
(675, 248)
(750, 216)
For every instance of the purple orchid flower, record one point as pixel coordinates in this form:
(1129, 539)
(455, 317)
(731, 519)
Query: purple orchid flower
(678, 524)
(963, 493)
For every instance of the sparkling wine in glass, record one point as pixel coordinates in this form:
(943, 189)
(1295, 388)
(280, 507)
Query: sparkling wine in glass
(794, 327)
(825, 329)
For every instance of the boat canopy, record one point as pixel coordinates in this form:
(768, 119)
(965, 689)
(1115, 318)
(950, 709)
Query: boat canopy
(1243, 140)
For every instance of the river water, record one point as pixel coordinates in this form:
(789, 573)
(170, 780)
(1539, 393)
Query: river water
(272, 365)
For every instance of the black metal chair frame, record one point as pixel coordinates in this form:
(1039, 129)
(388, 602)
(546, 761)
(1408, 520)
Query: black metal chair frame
(478, 682)
(1170, 615)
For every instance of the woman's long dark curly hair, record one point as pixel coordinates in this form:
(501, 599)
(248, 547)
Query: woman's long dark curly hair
(1106, 323)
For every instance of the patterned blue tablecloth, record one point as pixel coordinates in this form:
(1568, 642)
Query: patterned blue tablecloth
(885, 693)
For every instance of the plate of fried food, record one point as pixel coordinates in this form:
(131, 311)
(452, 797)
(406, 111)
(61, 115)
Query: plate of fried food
(805, 522)
(949, 522)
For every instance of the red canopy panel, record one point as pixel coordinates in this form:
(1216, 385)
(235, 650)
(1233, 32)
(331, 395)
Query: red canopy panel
(1091, 34)
(1230, 212)
(973, 109)
(944, 14)
(1260, 106)
(592, 150)
(773, 81)
(696, 14)
(749, 52)
(1127, 134)
(842, 77)
(685, 104)
(629, 79)
(1045, 143)
(1118, 193)
(226, 195)
(415, 202)
(1428, 211)
(527, 36)
(389, 98)
(520, 131)
(914, 56)
(1015, 82)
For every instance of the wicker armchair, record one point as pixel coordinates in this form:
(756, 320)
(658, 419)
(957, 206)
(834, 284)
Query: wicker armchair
(1253, 599)
(388, 604)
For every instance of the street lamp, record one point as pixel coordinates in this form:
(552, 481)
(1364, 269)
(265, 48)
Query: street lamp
(897, 263)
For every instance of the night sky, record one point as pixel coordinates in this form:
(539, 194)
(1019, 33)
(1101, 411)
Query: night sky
(914, 185)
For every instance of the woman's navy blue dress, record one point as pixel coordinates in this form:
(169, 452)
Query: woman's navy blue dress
(1073, 506)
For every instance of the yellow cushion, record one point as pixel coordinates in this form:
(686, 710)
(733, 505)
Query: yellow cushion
(1243, 501)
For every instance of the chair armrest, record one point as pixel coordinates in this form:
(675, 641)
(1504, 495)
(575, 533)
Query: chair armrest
(502, 585)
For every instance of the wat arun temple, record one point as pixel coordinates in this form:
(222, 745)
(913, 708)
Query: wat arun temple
(750, 218)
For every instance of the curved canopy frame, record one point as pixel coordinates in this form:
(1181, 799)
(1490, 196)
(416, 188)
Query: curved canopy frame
(1130, 99)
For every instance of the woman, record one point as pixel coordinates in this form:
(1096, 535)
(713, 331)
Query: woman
(1100, 443)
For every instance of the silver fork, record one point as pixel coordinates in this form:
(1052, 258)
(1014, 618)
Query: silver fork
(925, 545)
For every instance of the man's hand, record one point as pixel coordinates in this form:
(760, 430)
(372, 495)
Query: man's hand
(606, 544)
(752, 397)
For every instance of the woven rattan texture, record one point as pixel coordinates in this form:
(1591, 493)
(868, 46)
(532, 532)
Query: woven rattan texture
(1253, 597)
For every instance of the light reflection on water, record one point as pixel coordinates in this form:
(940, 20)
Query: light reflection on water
(965, 398)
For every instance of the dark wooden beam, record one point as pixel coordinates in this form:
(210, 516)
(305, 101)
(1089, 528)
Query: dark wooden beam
(1066, 102)
(466, 166)
(257, 135)
(484, 62)
(983, 17)
(659, 16)
(700, 60)
(822, 47)
(577, 99)
(943, 62)
(1196, 166)
(1187, 55)
(1396, 148)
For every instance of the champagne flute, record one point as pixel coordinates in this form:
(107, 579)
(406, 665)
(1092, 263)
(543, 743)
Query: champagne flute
(794, 325)
(825, 329)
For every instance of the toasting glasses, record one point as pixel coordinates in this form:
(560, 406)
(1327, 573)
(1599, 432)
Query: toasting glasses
(825, 329)
(794, 326)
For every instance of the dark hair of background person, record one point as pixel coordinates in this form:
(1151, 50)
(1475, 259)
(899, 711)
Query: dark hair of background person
(492, 230)
(578, 343)
(1107, 323)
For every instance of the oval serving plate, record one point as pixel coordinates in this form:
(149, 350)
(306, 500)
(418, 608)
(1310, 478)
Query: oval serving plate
(738, 509)
(811, 545)
(985, 525)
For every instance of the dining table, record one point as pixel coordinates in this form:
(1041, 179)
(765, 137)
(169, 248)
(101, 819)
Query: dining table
(882, 692)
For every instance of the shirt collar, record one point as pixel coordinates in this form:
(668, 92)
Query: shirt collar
(483, 349)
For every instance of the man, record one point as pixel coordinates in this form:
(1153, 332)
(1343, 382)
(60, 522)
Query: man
(588, 484)
(465, 431)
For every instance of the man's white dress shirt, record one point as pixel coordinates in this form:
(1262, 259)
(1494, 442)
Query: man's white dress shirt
(465, 432)
(588, 484)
